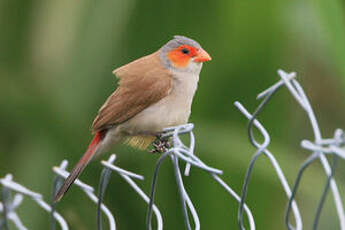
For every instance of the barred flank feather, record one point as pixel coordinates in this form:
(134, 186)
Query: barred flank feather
(140, 142)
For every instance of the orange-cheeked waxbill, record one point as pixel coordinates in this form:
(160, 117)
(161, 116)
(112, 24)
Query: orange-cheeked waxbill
(154, 92)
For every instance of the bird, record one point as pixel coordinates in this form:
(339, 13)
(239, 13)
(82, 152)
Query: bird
(154, 92)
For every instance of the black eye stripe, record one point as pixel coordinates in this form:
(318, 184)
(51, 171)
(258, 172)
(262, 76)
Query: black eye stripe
(185, 50)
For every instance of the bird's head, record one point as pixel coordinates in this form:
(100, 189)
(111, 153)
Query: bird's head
(183, 54)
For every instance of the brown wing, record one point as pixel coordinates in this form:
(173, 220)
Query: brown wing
(142, 83)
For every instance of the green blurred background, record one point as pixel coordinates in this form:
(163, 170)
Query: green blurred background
(56, 59)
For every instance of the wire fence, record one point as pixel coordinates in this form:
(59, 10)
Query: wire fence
(181, 152)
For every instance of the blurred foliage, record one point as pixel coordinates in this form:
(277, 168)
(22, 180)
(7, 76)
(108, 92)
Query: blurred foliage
(56, 59)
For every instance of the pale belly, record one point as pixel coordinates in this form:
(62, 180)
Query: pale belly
(172, 110)
(167, 112)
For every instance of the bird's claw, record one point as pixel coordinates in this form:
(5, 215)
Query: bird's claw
(160, 145)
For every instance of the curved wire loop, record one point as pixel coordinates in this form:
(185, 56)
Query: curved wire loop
(317, 147)
(262, 149)
(298, 93)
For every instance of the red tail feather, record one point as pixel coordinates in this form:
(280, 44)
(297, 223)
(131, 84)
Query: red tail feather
(79, 167)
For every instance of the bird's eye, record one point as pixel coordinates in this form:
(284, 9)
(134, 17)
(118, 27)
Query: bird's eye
(185, 50)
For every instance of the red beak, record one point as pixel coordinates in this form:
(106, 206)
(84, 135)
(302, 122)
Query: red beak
(202, 56)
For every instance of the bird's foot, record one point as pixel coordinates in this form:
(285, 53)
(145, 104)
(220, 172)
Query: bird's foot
(160, 145)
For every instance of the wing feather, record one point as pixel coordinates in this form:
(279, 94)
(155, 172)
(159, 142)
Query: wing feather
(142, 83)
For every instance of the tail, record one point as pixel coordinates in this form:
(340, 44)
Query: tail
(79, 167)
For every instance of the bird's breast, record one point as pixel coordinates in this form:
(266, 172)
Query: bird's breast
(172, 110)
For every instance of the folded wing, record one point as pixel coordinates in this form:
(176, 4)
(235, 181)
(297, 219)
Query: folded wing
(142, 83)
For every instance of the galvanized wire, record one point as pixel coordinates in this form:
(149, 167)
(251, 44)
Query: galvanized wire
(180, 151)
(256, 156)
(127, 176)
(6, 197)
(298, 93)
(275, 165)
(317, 149)
(8, 207)
(12, 215)
(324, 194)
(103, 183)
(105, 177)
(57, 183)
(88, 190)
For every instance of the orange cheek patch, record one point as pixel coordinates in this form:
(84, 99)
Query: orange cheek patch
(178, 59)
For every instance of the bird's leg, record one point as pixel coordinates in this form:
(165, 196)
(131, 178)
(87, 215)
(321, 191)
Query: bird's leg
(161, 144)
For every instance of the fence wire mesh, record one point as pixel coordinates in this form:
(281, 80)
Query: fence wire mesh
(181, 152)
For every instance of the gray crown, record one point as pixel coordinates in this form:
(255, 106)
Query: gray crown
(180, 40)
